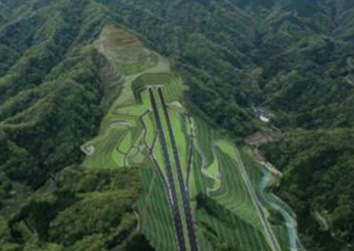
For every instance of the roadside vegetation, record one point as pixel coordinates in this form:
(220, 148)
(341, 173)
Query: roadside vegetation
(193, 174)
(73, 88)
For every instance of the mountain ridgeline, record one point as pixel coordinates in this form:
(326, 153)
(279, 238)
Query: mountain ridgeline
(294, 58)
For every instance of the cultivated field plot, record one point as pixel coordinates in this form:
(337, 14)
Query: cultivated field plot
(199, 191)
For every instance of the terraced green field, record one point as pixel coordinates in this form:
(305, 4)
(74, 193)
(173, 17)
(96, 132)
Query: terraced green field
(199, 190)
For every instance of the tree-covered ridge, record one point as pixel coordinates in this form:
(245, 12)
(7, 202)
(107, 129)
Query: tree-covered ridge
(318, 172)
(293, 57)
(50, 95)
(50, 90)
(239, 54)
(79, 209)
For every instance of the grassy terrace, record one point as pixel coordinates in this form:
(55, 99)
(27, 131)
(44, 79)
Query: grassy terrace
(193, 167)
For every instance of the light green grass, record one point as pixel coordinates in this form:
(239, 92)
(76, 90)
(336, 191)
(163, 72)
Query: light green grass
(122, 143)
(155, 216)
(213, 172)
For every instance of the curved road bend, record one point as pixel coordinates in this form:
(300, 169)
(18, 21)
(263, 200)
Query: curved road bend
(175, 211)
(156, 165)
(183, 188)
(268, 230)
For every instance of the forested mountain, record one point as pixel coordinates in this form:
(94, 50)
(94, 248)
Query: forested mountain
(293, 57)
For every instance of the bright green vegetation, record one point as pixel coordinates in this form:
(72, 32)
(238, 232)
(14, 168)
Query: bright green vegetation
(73, 74)
(155, 213)
(235, 206)
(293, 57)
(218, 192)
(213, 172)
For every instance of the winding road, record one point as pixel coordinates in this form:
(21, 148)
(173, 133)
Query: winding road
(267, 228)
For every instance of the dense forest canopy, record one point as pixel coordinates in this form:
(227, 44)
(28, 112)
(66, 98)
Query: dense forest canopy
(295, 58)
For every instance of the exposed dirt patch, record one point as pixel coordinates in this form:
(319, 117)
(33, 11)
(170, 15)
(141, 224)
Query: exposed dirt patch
(261, 138)
(124, 46)
(258, 139)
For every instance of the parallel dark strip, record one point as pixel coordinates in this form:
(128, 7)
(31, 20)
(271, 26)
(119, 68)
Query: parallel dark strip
(156, 165)
(184, 191)
(175, 212)
(190, 154)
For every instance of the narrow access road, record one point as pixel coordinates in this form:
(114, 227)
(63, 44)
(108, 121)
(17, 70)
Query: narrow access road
(268, 230)
(184, 191)
(174, 205)
(290, 223)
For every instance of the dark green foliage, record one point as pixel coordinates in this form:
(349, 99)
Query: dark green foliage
(138, 242)
(49, 103)
(50, 96)
(5, 189)
(319, 173)
(294, 57)
(96, 214)
(80, 209)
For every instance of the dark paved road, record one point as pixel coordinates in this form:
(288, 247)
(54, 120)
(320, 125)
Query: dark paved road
(174, 205)
(184, 191)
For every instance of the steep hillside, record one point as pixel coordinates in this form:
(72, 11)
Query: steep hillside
(292, 57)
(52, 87)
(58, 83)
